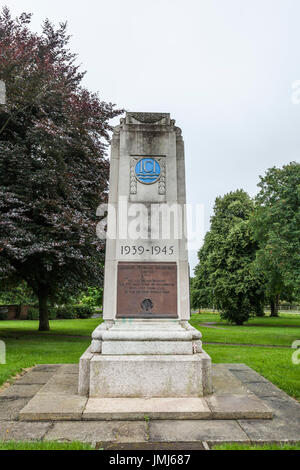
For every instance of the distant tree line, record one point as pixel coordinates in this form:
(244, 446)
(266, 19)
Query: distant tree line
(251, 254)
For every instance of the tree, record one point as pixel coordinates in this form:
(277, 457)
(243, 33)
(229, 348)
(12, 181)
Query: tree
(276, 224)
(53, 166)
(225, 273)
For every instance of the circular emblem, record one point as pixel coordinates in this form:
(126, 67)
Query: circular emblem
(147, 170)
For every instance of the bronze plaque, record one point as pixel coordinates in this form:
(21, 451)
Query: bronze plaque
(147, 290)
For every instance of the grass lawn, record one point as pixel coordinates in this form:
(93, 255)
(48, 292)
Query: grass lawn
(68, 339)
(268, 331)
(25, 346)
(12, 445)
(250, 447)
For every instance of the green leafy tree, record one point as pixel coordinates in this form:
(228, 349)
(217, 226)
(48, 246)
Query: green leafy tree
(225, 274)
(276, 223)
(53, 165)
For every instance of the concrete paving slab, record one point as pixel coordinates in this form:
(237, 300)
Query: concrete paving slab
(152, 408)
(238, 406)
(248, 376)
(284, 407)
(68, 369)
(47, 367)
(225, 382)
(65, 384)
(100, 431)
(266, 389)
(10, 407)
(277, 430)
(51, 406)
(35, 377)
(211, 431)
(21, 391)
(17, 431)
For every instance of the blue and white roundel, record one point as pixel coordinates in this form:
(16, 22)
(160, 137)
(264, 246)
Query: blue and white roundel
(147, 170)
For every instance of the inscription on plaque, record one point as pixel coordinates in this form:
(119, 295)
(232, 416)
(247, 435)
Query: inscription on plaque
(147, 290)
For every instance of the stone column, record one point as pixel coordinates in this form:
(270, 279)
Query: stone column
(145, 347)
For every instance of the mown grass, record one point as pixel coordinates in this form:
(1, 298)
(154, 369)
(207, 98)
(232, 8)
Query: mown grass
(66, 342)
(257, 447)
(268, 331)
(15, 445)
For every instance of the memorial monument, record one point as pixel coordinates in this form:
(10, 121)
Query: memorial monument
(145, 347)
(145, 359)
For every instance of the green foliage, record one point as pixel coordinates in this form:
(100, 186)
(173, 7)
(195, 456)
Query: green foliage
(276, 225)
(33, 313)
(16, 293)
(225, 275)
(74, 311)
(93, 297)
(52, 445)
(53, 167)
(3, 314)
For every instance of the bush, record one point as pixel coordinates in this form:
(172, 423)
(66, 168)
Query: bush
(33, 313)
(3, 313)
(66, 312)
(83, 311)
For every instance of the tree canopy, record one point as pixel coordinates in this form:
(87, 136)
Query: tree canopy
(225, 276)
(53, 166)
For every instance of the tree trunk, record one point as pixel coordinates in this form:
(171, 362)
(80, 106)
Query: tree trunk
(274, 306)
(43, 310)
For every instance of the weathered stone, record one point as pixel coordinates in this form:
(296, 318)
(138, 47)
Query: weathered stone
(146, 304)
(236, 406)
(117, 431)
(148, 376)
(210, 431)
(18, 431)
(47, 367)
(68, 369)
(46, 406)
(248, 376)
(33, 377)
(152, 408)
(277, 430)
(10, 407)
(224, 382)
(21, 391)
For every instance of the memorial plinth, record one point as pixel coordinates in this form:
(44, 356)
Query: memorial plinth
(145, 347)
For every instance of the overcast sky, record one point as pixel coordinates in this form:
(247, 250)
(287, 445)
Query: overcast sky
(224, 69)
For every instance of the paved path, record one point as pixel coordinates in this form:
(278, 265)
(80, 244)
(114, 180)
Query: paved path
(154, 434)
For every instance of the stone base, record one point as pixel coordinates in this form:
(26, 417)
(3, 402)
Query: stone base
(57, 401)
(145, 359)
(150, 376)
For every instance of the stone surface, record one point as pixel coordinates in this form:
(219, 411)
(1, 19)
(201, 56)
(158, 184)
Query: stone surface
(33, 377)
(192, 430)
(19, 431)
(84, 373)
(10, 407)
(21, 391)
(147, 347)
(51, 406)
(233, 406)
(277, 430)
(152, 408)
(117, 431)
(225, 382)
(149, 376)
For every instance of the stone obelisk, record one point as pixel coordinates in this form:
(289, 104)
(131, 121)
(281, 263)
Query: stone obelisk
(145, 346)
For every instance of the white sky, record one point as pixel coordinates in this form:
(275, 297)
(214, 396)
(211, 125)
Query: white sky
(223, 69)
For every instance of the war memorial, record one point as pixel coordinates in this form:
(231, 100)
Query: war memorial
(145, 376)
